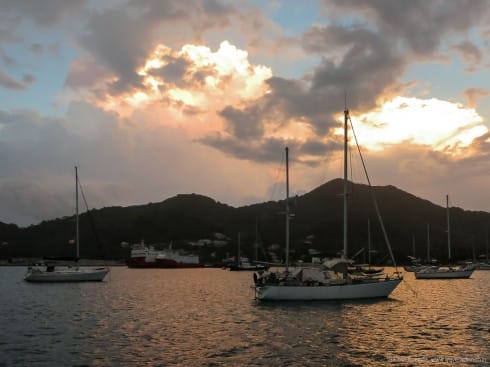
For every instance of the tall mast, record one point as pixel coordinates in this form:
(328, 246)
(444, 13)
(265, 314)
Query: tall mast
(287, 209)
(77, 235)
(346, 116)
(448, 230)
(256, 238)
(369, 242)
(486, 242)
(238, 258)
(428, 243)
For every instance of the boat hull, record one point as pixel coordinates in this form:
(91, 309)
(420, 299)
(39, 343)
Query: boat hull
(444, 274)
(69, 275)
(364, 290)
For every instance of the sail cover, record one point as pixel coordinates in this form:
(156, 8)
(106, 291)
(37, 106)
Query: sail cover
(338, 265)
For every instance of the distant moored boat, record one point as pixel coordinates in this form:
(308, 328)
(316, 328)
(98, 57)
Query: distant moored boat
(448, 272)
(66, 270)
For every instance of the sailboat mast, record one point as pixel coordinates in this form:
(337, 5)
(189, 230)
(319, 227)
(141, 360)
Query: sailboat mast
(287, 208)
(256, 238)
(238, 257)
(428, 243)
(346, 116)
(448, 229)
(77, 236)
(486, 242)
(369, 242)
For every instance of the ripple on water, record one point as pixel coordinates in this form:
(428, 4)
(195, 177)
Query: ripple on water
(207, 317)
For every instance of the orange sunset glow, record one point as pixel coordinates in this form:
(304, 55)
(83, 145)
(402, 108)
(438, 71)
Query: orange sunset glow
(444, 126)
(218, 91)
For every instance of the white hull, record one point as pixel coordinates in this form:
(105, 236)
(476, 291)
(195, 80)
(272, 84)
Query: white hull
(443, 274)
(375, 289)
(67, 275)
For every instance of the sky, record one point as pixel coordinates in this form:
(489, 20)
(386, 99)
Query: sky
(154, 98)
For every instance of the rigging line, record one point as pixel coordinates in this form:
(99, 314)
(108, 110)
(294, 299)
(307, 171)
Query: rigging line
(351, 187)
(91, 219)
(373, 197)
(410, 287)
(274, 187)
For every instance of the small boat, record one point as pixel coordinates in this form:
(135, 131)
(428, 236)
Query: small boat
(483, 266)
(54, 270)
(416, 264)
(444, 273)
(366, 269)
(449, 272)
(243, 263)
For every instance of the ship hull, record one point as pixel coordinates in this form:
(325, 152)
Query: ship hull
(365, 290)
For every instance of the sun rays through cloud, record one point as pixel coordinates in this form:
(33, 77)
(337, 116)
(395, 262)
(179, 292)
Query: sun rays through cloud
(441, 125)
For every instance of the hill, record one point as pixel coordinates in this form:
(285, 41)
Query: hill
(316, 227)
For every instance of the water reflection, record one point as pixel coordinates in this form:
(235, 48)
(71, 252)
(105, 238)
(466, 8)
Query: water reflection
(194, 317)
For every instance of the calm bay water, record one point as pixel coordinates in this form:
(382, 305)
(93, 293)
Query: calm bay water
(208, 317)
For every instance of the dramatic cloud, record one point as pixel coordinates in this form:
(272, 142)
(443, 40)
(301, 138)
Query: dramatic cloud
(192, 81)
(363, 64)
(121, 38)
(154, 98)
(452, 128)
(421, 25)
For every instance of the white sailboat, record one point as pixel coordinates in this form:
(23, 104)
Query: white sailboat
(448, 272)
(50, 271)
(329, 282)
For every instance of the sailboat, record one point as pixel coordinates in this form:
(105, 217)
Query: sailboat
(448, 272)
(366, 269)
(416, 264)
(243, 263)
(51, 270)
(332, 280)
